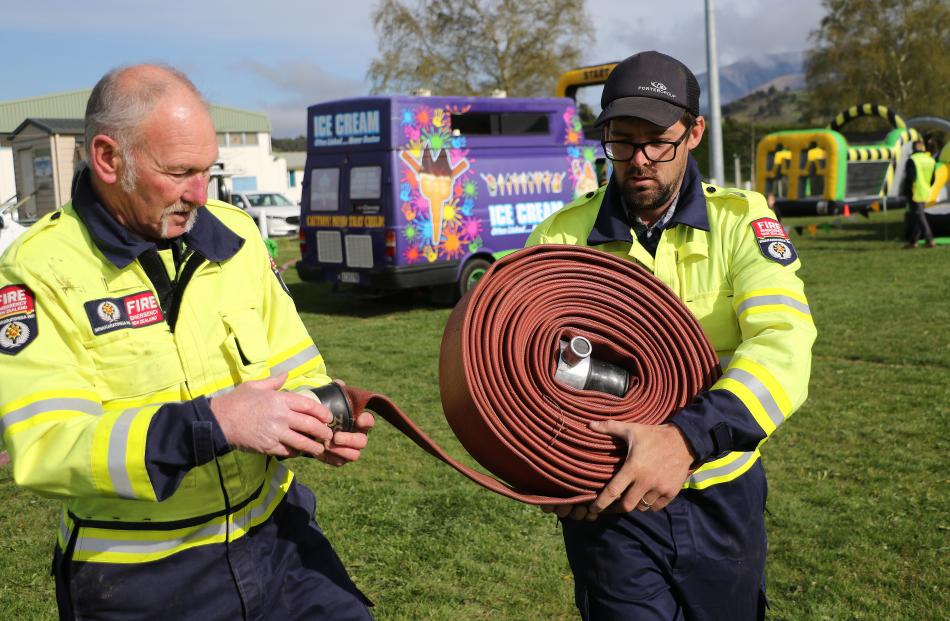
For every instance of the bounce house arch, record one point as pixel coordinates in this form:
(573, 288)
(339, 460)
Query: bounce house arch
(867, 109)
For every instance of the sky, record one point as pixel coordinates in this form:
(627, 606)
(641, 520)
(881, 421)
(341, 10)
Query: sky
(279, 56)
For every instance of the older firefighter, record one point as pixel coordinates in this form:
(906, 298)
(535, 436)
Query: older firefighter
(150, 354)
(679, 531)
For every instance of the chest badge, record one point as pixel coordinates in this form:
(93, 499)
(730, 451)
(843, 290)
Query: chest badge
(17, 318)
(132, 311)
(773, 241)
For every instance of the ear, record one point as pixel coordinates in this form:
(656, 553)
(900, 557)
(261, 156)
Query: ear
(696, 133)
(105, 159)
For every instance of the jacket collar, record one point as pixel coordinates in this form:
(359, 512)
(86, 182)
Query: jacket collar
(611, 223)
(209, 237)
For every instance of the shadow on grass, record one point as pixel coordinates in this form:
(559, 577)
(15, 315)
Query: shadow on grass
(323, 299)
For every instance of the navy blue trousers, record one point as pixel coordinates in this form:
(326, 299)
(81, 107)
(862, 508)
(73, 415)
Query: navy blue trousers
(282, 569)
(702, 558)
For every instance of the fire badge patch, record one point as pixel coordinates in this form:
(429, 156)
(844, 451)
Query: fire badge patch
(773, 241)
(17, 318)
(132, 311)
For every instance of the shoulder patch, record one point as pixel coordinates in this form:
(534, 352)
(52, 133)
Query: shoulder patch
(17, 318)
(773, 241)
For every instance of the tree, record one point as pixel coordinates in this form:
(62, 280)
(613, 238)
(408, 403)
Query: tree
(472, 47)
(892, 52)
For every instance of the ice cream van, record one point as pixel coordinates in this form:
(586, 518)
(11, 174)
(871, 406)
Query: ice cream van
(405, 192)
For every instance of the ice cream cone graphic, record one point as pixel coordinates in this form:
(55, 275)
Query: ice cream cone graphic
(436, 176)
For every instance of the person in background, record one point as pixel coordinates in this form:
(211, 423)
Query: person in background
(679, 532)
(151, 363)
(916, 188)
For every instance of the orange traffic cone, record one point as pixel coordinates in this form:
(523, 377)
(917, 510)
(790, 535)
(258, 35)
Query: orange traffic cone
(847, 211)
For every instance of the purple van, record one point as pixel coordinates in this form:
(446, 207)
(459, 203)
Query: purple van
(403, 192)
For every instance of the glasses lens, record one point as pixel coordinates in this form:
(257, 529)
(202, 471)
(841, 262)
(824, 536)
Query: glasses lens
(659, 151)
(621, 151)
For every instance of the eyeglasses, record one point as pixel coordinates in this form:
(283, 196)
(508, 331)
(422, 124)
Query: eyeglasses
(657, 151)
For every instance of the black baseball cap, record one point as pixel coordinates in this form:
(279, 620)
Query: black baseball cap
(650, 86)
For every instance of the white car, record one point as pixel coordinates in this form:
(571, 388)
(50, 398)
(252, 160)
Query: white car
(10, 229)
(282, 214)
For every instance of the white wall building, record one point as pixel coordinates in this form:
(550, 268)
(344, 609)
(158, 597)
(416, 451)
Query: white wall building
(295, 161)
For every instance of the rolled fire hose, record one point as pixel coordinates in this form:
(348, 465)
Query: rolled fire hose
(500, 353)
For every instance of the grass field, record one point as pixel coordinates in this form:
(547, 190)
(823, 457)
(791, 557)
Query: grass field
(858, 502)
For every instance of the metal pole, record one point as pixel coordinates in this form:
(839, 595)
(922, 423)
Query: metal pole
(737, 166)
(714, 123)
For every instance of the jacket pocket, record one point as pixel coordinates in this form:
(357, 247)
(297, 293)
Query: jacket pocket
(134, 363)
(714, 311)
(246, 344)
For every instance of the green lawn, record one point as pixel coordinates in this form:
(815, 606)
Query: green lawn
(858, 502)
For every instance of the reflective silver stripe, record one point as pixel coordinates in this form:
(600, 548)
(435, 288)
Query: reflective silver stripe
(760, 391)
(118, 447)
(765, 300)
(145, 546)
(705, 475)
(64, 529)
(151, 546)
(49, 405)
(295, 361)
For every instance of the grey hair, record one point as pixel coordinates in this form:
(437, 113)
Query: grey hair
(117, 107)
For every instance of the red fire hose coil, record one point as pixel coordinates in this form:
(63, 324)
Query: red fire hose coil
(498, 358)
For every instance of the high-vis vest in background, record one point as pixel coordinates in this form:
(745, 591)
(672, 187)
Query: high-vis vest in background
(105, 378)
(724, 254)
(925, 165)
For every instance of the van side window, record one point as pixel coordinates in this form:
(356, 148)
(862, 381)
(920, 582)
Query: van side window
(521, 123)
(501, 123)
(473, 123)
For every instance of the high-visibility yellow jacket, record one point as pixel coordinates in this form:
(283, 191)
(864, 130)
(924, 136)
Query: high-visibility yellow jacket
(924, 165)
(105, 378)
(733, 266)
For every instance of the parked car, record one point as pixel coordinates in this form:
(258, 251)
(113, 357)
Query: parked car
(282, 214)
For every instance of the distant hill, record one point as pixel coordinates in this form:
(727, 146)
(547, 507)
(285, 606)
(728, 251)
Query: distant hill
(750, 75)
(767, 106)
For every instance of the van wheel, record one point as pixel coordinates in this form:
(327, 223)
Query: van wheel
(472, 272)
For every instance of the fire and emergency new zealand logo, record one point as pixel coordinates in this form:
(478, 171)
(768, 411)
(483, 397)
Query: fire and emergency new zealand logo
(17, 318)
(773, 241)
(132, 311)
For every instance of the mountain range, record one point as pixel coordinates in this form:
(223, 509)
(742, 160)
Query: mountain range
(746, 76)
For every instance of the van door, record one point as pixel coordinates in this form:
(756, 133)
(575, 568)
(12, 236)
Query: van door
(365, 176)
(321, 242)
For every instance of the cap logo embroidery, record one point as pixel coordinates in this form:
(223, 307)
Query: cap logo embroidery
(659, 88)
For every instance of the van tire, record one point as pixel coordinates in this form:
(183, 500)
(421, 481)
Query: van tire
(472, 272)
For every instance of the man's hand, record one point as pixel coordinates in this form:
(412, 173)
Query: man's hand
(657, 463)
(258, 417)
(344, 446)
